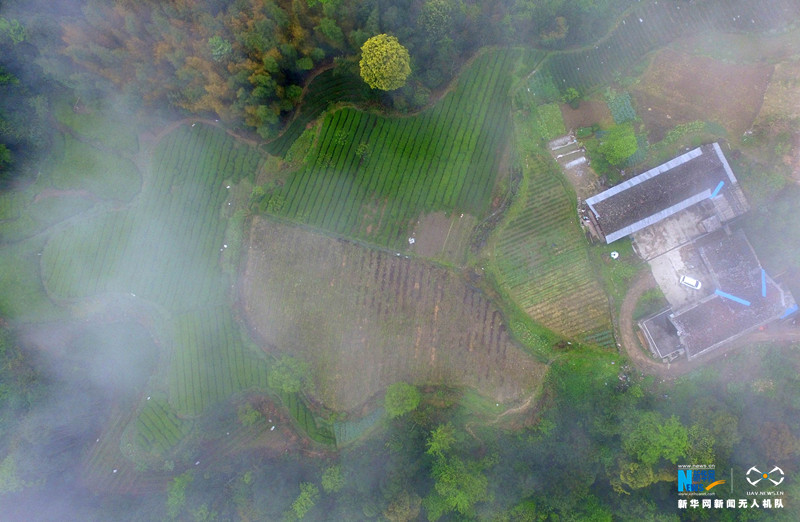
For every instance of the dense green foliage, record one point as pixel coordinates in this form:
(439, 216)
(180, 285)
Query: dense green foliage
(332, 479)
(246, 60)
(459, 483)
(288, 374)
(24, 131)
(618, 143)
(384, 63)
(308, 497)
(401, 398)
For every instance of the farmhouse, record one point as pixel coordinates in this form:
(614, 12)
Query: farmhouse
(739, 297)
(700, 176)
(677, 215)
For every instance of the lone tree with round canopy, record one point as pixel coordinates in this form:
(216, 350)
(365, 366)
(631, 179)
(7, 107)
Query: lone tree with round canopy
(385, 63)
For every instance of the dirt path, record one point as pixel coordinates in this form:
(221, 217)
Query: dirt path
(59, 193)
(630, 344)
(516, 409)
(186, 121)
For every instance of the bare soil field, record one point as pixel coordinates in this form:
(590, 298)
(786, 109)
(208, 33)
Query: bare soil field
(443, 237)
(680, 88)
(587, 114)
(365, 318)
(741, 47)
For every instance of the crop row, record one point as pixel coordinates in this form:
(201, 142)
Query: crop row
(327, 88)
(158, 428)
(350, 430)
(542, 261)
(655, 25)
(210, 362)
(442, 159)
(164, 247)
(383, 317)
(601, 338)
(317, 429)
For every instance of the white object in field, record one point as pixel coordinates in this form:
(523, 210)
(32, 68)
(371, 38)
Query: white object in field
(691, 282)
(272, 428)
(411, 241)
(576, 162)
(614, 254)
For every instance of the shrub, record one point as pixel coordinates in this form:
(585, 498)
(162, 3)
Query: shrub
(401, 398)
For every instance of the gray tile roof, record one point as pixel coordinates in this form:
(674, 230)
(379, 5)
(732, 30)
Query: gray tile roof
(662, 191)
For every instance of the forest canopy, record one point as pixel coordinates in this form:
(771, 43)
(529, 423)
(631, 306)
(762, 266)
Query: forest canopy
(246, 62)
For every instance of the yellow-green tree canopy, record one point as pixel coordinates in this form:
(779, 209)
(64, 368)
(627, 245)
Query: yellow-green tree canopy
(385, 63)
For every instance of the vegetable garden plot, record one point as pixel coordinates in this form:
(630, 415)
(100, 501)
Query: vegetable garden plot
(655, 25)
(542, 262)
(364, 319)
(444, 159)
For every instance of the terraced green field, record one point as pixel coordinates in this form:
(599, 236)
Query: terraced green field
(209, 363)
(165, 247)
(325, 90)
(158, 427)
(539, 256)
(370, 176)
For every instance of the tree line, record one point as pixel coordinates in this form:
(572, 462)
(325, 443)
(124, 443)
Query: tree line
(247, 61)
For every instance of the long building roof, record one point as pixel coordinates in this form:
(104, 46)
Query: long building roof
(662, 191)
